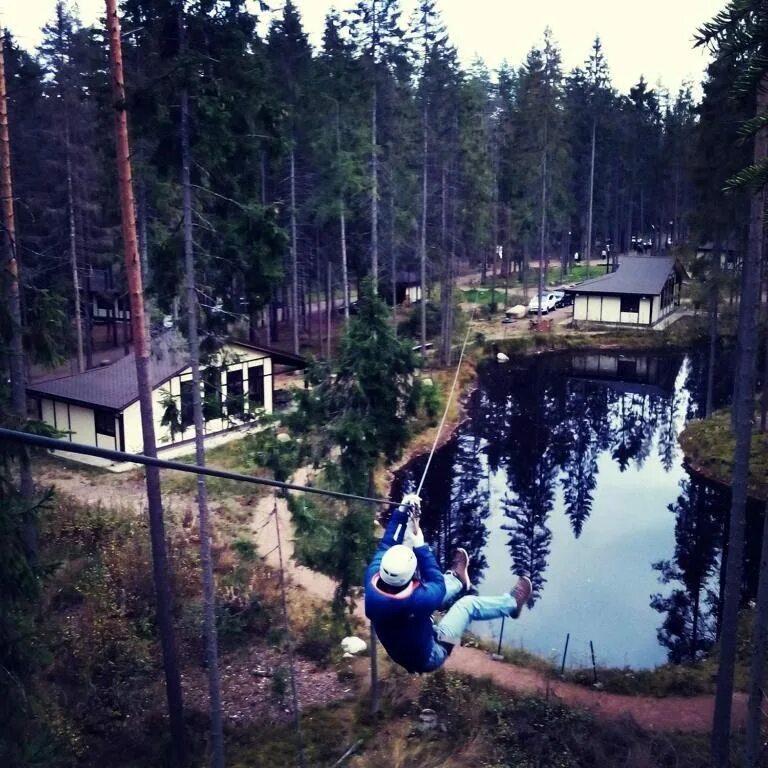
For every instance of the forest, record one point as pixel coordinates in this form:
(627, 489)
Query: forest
(197, 171)
(377, 154)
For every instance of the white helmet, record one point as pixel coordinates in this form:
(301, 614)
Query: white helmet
(397, 566)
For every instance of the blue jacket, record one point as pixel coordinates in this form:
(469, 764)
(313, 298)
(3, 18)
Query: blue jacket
(403, 622)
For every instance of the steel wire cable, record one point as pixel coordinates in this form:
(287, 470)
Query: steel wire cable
(447, 404)
(53, 443)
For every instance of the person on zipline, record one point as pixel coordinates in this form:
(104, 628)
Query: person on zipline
(400, 604)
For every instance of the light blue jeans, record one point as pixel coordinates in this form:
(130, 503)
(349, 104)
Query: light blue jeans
(462, 613)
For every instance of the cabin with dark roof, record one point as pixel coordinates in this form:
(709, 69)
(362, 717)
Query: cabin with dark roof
(643, 291)
(100, 407)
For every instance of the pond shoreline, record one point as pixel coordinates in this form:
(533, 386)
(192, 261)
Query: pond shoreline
(657, 344)
(697, 442)
(676, 338)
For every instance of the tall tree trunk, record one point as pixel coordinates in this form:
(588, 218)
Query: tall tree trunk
(344, 266)
(142, 355)
(73, 253)
(744, 408)
(588, 254)
(206, 561)
(329, 308)
(16, 346)
(374, 188)
(423, 234)
(343, 231)
(764, 393)
(543, 233)
(764, 390)
(393, 255)
(754, 741)
(714, 298)
(294, 258)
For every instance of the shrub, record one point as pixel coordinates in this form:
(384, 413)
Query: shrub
(321, 639)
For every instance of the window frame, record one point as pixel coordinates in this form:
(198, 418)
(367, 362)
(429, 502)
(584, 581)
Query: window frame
(186, 404)
(212, 400)
(627, 298)
(104, 413)
(235, 403)
(256, 386)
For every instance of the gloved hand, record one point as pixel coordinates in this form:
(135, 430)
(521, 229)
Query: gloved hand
(413, 535)
(412, 503)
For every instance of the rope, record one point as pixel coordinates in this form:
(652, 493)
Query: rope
(291, 660)
(447, 404)
(52, 443)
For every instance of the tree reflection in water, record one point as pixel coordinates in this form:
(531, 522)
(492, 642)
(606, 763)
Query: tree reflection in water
(690, 624)
(543, 426)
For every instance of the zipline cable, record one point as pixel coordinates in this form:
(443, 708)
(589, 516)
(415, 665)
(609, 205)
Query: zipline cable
(53, 443)
(447, 404)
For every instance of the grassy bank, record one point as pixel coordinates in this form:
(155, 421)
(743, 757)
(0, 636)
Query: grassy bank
(473, 724)
(708, 445)
(680, 336)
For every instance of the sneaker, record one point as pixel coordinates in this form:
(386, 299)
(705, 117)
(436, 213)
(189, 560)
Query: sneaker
(460, 568)
(522, 592)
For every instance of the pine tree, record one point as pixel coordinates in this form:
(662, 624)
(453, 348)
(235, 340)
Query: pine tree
(152, 474)
(339, 145)
(379, 40)
(740, 30)
(291, 63)
(12, 295)
(206, 560)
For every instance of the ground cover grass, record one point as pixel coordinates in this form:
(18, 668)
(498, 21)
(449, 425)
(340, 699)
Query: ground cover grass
(708, 445)
(476, 724)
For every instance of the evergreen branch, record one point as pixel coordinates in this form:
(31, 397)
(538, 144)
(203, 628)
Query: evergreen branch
(752, 126)
(754, 176)
(241, 206)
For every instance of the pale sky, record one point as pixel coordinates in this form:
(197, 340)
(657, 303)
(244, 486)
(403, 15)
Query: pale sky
(653, 38)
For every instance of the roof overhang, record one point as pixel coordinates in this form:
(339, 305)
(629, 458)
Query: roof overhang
(277, 355)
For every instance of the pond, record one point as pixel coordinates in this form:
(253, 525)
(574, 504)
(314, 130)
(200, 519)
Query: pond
(569, 469)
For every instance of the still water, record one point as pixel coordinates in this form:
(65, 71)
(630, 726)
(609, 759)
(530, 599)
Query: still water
(568, 469)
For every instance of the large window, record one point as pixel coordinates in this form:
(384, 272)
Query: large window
(105, 422)
(630, 304)
(256, 386)
(186, 412)
(235, 399)
(211, 394)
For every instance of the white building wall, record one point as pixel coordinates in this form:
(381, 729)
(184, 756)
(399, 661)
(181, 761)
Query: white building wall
(80, 425)
(645, 309)
(236, 357)
(594, 309)
(607, 309)
(580, 308)
(80, 421)
(611, 309)
(413, 293)
(134, 442)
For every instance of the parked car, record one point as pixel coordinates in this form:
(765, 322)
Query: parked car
(563, 299)
(549, 302)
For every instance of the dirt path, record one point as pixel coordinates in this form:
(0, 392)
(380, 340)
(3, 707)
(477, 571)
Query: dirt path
(673, 713)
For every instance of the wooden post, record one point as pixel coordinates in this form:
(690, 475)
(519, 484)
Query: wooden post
(16, 346)
(142, 355)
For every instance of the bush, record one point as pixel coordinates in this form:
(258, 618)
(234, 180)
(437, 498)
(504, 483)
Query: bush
(282, 457)
(321, 639)
(411, 326)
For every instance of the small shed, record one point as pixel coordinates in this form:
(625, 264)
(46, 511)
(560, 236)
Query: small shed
(407, 288)
(642, 291)
(100, 407)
